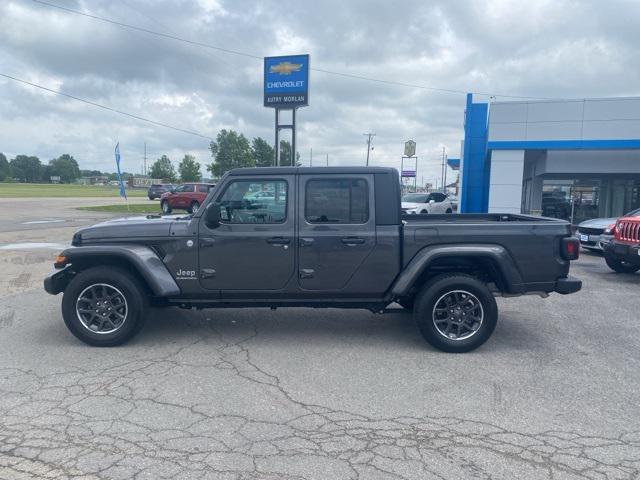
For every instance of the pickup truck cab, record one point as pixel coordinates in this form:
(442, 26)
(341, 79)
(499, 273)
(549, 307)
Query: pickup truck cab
(312, 237)
(423, 203)
(188, 196)
(622, 253)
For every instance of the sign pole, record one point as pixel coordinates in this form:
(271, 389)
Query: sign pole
(293, 137)
(286, 87)
(277, 144)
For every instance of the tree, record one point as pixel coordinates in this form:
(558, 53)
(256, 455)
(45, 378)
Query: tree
(163, 169)
(26, 168)
(5, 170)
(263, 154)
(230, 150)
(91, 173)
(285, 154)
(65, 167)
(189, 169)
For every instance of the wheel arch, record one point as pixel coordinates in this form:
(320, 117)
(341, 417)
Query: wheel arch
(486, 262)
(139, 260)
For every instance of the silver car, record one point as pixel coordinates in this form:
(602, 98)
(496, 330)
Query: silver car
(595, 233)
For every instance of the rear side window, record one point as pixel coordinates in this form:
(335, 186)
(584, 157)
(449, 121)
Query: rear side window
(203, 188)
(342, 200)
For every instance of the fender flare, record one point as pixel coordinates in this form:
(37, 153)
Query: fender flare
(425, 257)
(143, 259)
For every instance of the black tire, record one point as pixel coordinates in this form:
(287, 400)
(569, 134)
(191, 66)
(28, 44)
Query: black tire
(117, 281)
(424, 212)
(150, 197)
(449, 211)
(449, 288)
(165, 207)
(193, 208)
(619, 266)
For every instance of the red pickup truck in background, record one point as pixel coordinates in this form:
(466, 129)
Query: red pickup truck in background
(622, 254)
(188, 196)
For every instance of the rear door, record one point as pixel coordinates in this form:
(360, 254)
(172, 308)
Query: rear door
(336, 228)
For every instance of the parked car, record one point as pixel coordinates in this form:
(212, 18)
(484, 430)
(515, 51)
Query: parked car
(622, 254)
(188, 196)
(597, 232)
(333, 237)
(423, 203)
(157, 189)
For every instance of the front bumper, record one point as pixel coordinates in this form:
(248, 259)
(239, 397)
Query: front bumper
(57, 280)
(623, 251)
(568, 285)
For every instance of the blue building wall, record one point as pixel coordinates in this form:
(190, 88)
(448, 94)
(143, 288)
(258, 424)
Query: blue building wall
(474, 196)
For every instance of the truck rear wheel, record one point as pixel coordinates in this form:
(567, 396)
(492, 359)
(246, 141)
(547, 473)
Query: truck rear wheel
(104, 306)
(620, 266)
(165, 207)
(455, 313)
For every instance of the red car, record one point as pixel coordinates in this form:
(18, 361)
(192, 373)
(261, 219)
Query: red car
(622, 254)
(188, 196)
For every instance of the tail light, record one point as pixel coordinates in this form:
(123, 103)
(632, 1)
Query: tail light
(570, 248)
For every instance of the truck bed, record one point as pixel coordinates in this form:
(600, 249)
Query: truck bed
(524, 237)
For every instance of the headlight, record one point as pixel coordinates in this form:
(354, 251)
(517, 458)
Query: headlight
(610, 230)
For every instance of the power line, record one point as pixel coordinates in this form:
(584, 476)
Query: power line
(104, 107)
(249, 55)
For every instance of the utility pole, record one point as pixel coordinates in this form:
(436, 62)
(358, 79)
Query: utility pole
(327, 159)
(369, 137)
(442, 172)
(145, 158)
(446, 158)
(311, 157)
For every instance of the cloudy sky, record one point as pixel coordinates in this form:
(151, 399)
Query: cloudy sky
(566, 49)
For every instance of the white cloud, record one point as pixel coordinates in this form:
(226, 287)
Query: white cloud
(559, 48)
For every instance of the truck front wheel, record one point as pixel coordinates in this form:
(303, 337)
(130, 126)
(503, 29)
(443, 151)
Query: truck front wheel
(455, 313)
(104, 306)
(619, 266)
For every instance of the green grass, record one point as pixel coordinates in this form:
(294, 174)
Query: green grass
(15, 190)
(146, 208)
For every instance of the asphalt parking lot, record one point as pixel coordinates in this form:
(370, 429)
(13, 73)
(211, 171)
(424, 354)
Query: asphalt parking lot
(317, 394)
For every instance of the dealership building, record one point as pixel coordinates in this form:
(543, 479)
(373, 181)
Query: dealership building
(570, 159)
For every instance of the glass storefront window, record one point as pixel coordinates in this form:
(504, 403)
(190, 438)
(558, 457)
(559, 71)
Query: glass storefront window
(571, 200)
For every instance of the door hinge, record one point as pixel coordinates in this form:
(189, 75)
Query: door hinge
(306, 272)
(207, 273)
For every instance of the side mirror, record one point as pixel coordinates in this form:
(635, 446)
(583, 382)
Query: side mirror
(212, 215)
(432, 201)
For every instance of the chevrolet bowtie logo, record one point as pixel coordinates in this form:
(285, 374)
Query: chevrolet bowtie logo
(285, 68)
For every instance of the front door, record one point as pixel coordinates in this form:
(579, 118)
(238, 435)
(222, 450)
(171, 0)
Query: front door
(253, 248)
(336, 229)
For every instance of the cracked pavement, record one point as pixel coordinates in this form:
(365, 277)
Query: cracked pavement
(318, 394)
(313, 394)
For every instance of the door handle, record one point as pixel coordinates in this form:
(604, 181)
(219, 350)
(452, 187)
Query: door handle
(278, 241)
(351, 241)
(305, 242)
(306, 272)
(207, 242)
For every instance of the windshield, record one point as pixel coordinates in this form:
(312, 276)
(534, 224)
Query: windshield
(415, 198)
(633, 213)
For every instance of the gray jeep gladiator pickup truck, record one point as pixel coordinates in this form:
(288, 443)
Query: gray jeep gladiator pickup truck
(311, 237)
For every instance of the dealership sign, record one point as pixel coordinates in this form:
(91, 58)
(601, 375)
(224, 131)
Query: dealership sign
(286, 81)
(408, 173)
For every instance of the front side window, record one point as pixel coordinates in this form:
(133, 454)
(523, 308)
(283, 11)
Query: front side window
(337, 201)
(253, 201)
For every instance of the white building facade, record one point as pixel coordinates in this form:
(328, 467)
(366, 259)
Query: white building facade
(571, 159)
